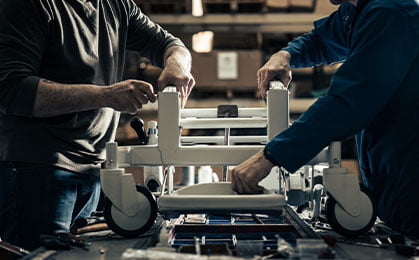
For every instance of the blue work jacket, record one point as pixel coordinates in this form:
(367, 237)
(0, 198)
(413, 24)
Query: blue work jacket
(373, 95)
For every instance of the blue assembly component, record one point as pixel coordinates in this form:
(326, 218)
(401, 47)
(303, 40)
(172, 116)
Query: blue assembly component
(269, 240)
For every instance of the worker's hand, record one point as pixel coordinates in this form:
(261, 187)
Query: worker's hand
(128, 96)
(278, 66)
(247, 175)
(175, 74)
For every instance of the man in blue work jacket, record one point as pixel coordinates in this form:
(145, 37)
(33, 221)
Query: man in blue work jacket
(373, 95)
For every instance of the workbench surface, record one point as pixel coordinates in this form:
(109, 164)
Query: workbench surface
(106, 245)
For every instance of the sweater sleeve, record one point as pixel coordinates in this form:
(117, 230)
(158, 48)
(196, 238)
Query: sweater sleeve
(23, 39)
(380, 58)
(326, 43)
(147, 37)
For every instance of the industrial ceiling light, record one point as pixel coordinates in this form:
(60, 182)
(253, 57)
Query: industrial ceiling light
(202, 42)
(197, 9)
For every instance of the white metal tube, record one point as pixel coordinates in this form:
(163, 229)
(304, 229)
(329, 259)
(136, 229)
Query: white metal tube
(335, 155)
(212, 123)
(192, 155)
(226, 142)
(212, 112)
(111, 155)
(278, 109)
(220, 139)
(169, 132)
(170, 173)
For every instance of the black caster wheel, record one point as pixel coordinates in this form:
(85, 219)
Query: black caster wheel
(348, 225)
(134, 226)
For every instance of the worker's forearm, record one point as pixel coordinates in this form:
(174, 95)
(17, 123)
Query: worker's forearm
(53, 99)
(177, 72)
(178, 56)
(283, 54)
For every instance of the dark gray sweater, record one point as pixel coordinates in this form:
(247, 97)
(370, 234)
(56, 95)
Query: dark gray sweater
(67, 41)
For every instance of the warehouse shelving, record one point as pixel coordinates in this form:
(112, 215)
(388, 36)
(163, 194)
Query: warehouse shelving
(259, 23)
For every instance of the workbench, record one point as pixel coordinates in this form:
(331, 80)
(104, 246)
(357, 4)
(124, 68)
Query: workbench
(106, 245)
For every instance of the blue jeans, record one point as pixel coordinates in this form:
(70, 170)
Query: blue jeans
(39, 199)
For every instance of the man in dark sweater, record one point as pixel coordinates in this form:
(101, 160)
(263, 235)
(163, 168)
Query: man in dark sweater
(61, 95)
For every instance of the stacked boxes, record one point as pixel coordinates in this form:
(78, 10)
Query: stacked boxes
(226, 70)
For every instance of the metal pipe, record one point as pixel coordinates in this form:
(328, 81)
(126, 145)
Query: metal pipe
(227, 143)
(214, 123)
(192, 155)
(220, 139)
(111, 155)
(212, 112)
(278, 110)
(170, 172)
(165, 176)
(335, 155)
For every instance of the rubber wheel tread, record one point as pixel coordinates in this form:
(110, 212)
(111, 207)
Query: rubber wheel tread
(331, 217)
(107, 213)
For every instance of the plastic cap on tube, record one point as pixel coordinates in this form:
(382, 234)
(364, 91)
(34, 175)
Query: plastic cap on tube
(276, 85)
(152, 124)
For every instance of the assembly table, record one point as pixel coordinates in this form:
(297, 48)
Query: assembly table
(107, 245)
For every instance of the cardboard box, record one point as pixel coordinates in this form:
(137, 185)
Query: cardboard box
(225, 70)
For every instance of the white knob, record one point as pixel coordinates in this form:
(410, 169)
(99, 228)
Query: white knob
(152, 124)
(170, 89)
(276, 85)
